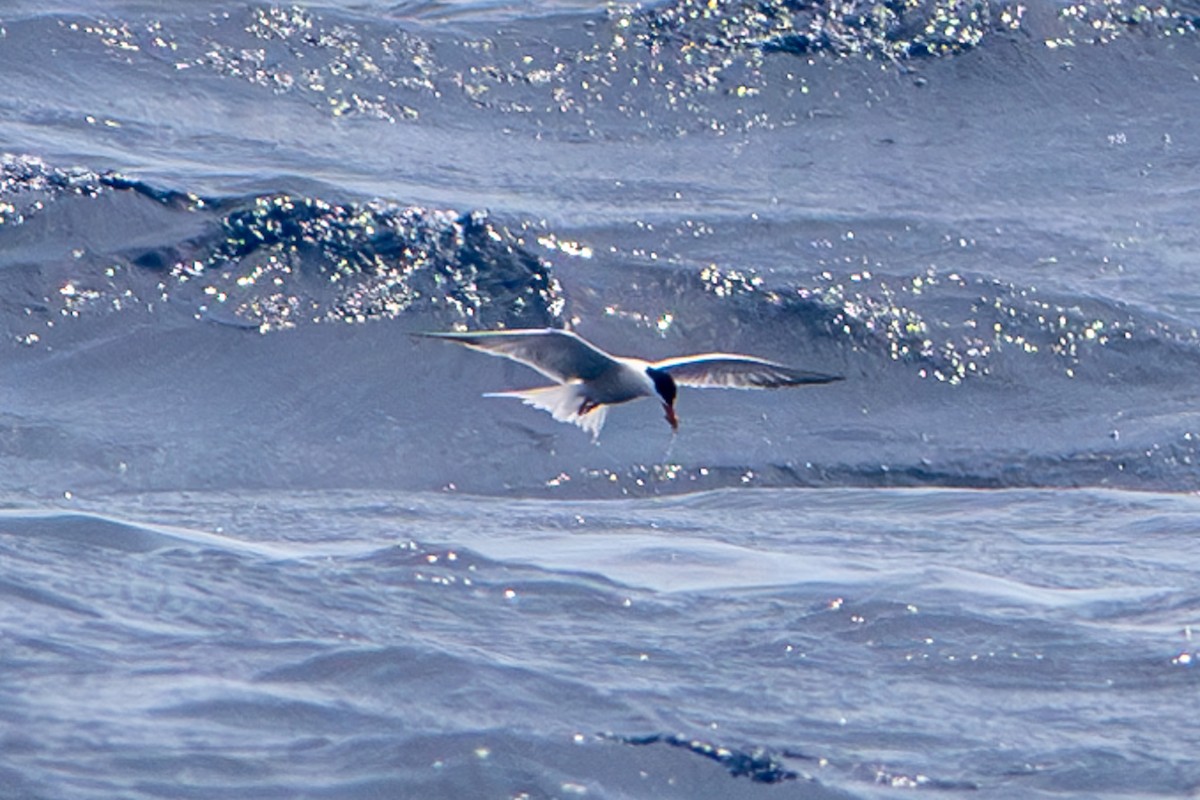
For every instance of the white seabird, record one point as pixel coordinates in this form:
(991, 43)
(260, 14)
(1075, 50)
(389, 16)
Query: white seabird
(590, 380)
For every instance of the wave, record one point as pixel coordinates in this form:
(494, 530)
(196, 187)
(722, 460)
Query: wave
(267, 262)
(933, 352)
(899, 31)
(274, 262)
(575, 71)
(172, 327)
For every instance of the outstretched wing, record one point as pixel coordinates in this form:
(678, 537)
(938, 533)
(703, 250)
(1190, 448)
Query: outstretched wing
(728, 371)
(559, 355)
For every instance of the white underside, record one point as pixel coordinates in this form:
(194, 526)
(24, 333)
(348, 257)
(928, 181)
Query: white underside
(563, 402)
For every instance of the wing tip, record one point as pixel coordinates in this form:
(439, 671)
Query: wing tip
(817, 378)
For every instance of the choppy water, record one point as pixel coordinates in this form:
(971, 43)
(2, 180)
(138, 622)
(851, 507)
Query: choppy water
(258, 541)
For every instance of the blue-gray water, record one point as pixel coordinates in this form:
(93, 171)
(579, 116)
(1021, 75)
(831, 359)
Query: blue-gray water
(259, 542)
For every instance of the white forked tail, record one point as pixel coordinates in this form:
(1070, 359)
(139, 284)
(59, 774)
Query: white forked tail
(563, 402)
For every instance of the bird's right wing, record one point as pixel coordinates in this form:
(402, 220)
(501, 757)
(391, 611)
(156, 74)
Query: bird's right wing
(728, 371)
(559, 355)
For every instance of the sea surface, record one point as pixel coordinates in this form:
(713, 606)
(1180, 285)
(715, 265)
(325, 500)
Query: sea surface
(258, 541)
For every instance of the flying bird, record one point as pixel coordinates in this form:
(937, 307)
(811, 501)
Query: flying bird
(589, 380)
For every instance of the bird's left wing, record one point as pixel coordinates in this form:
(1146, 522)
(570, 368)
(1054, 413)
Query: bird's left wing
(728, 371)
(559, 355)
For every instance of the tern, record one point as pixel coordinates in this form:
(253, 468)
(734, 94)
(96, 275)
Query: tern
(589, 380)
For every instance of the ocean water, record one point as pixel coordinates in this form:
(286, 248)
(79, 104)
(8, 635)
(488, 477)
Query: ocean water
(256, 540)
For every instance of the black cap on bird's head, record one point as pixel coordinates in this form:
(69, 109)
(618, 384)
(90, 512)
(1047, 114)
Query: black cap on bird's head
(664, 384)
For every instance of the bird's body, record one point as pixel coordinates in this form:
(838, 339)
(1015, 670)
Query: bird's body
(589, 380)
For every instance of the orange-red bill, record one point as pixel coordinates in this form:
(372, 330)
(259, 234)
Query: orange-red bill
(671, 418)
